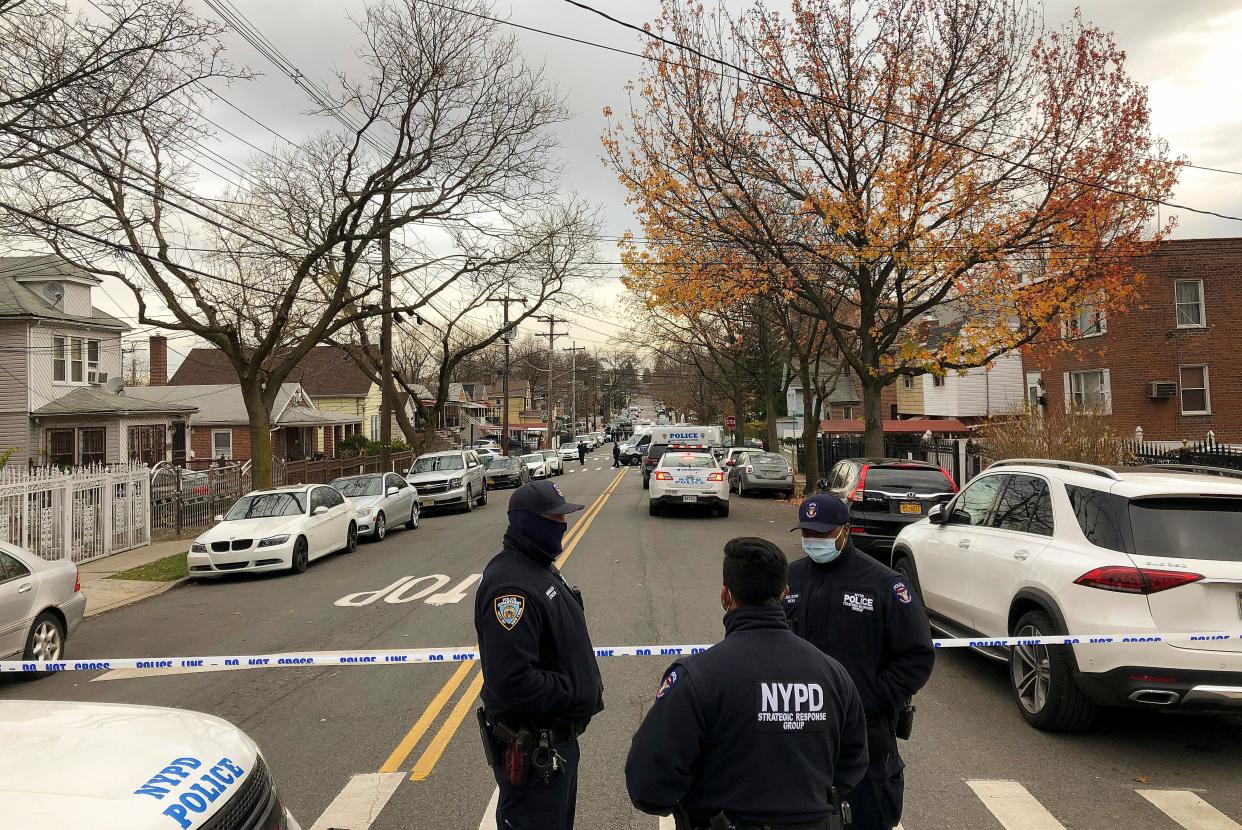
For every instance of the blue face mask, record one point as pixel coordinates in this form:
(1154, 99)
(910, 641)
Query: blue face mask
(822, 551)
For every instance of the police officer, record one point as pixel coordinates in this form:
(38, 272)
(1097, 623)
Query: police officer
(582, 450)
(758, 730)
(541, 684)
(867, 617)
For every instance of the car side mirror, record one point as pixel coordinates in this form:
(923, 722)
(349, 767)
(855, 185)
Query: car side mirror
(392, 491)
(936, 514)
(219, 517)
(320, 510)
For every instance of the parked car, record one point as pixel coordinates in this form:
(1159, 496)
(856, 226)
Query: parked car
(279, 529)
(379, 499)
(732, 453)
(453, 478)
(568, 452)
(1033, 548)
(536, 464)
(755, 471)
(687, 476)
(556, 464)
(41, 604)
(123, 767)
(651, 457)
(886, 494)
(506, 472)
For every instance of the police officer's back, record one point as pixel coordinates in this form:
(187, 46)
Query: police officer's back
(862, 613)
(541, 684)
(760, 727)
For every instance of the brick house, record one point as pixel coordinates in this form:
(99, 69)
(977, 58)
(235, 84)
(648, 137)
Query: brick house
(1168, 364)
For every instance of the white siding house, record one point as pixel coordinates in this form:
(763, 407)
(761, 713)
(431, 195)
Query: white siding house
(996, 389)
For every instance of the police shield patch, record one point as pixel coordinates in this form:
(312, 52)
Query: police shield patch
(509, 610)
(670, 680)
(557, 488)
(902, 592)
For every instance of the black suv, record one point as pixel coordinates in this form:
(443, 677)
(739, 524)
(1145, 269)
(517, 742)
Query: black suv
(886, 494)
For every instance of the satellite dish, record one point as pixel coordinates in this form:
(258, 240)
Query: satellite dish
(115, 385)
(54, 292)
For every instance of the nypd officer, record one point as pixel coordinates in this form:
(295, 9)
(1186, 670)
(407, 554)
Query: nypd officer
(757, 731)
(866, 616)
(541, 684)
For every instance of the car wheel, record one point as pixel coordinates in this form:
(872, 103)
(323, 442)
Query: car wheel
(351, 538)
(653, 508)
(722, 510)
(905, 566)
(381, 528)
(46, 641)
(413, 522)
(740, 488)
(469, 498)
(1043, 683)
(301, 556)
(646, 484)
(483, 496)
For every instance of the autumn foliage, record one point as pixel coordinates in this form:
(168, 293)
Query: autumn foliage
(868, 161)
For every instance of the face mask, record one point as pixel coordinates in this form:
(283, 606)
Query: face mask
(545, 535)
(822, 551)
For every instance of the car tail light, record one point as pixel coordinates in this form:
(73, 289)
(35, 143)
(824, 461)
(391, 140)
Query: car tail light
(716, 476)
(857, 495)
(949, 479)
(1135, 580)
(750, 469)
(77, 580)
(660, 475)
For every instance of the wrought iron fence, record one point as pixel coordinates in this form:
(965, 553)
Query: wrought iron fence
(325, 470)
(1201, 454)
(184, 500)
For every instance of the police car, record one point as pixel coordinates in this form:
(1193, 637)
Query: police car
(688, 475)
(119, 767)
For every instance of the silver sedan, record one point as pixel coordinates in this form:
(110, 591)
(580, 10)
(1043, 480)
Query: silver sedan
(382, 500)
(41, 603)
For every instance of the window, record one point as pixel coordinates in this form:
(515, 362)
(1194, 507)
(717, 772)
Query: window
(75, 360)
(938, 381)
(61, 447)
(1088, 391)
(847, 413)
(92, 361)
(91, 446)
(1086, 321)
(331, 497)
(973, 504)
(1025, 506)
(1194, 386)
(375, 427)
(1188, 300)
(1094, 511)
(222, 443)
(60, 363)
(907, 382)
(1187, 528)
(147, 444)
(10, 568)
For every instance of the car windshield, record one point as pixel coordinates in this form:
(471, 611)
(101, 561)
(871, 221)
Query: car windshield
(536, 457)
(433, 463)
(365, 486)
(907, 480)
(266, 506)
(687, 459)
(1188, 528)
(502, 463)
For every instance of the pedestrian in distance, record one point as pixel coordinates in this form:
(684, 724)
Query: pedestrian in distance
(761, 730)
(865, 615)
(616, 454)
(541, 683)
(582, 448)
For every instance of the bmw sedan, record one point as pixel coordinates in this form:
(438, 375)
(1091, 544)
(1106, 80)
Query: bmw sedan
(380, 499)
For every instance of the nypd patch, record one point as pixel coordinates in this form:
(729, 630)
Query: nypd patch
(902, 592)
(509, 610)
(666, 686)
(557, 488)
(812, 510)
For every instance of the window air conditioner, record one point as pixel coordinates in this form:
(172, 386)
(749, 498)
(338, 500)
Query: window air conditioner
(1161, 389)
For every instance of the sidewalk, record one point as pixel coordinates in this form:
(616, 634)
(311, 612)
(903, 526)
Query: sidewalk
(103, 594)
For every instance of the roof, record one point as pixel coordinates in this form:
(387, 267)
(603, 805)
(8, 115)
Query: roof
(93, 400)
(325, 371)
(19, 300)
(217, 403)
(912, 426)
(307, 416)
(843, 391)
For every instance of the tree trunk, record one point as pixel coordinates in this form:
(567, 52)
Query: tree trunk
(873, 417)
(810, 426)
(407, 427)
(739, 412)
(769, 404)
(260, 417)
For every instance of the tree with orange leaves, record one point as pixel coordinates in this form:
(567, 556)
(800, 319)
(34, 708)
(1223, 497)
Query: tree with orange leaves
(873, 160)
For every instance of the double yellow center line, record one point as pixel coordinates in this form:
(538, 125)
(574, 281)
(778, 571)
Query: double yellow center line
(431, 755)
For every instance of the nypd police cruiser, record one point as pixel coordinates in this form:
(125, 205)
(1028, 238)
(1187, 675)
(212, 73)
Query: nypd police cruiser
(688, 475)
(119, 767)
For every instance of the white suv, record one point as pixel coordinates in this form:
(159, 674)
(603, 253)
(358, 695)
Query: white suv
(1035, 547)
(688, 476)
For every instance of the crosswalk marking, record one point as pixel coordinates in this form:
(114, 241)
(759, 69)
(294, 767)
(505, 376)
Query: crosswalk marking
(1013, 806)
(357, 806)
(488, 822)
(1189, 810)
(666, 823)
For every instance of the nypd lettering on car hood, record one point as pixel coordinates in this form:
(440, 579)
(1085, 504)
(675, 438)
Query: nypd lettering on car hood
(116, 767)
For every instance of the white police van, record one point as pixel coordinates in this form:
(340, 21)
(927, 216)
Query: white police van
(120, 767)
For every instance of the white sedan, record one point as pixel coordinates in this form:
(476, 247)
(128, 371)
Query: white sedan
(273, 530)
(568, 452)
(537, 464)
(381, 499)
(120, 767)
(687, 476)
(41, 603)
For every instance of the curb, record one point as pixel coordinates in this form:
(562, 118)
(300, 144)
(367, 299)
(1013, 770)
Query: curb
(164, 587)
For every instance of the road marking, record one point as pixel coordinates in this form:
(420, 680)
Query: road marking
(411, 739)
(488, 822)
(1189, 810)
(667, 823)
(358, 805)
(427, 761)
(411, 589)
(1014, 807)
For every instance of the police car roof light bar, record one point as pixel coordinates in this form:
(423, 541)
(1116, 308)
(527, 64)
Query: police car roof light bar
(1094, 469)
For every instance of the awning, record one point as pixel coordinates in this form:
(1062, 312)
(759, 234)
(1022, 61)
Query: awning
(914, 426)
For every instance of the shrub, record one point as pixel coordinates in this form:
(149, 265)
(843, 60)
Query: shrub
(1086, 436)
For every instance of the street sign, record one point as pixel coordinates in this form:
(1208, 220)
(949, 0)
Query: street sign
(730, 422)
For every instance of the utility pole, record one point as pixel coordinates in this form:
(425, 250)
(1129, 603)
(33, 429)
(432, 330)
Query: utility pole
(386, 339)
(504, 384)
(573, 375)
(551, 334)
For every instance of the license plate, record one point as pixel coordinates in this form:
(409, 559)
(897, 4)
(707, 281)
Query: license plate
(429, 502)
(689, 499)
(491, 481)
(911, 507)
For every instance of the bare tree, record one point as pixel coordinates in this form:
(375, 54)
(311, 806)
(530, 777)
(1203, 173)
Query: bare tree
(443, 104)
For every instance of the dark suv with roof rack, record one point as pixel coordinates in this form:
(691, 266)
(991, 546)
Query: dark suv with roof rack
(886, 494)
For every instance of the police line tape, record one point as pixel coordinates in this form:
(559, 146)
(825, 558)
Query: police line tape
(464, 654)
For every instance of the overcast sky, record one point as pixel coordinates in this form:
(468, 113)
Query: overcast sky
(1189, 53)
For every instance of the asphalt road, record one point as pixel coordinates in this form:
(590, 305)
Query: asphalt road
(395, 747)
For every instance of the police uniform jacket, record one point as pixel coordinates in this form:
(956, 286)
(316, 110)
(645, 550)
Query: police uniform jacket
(760, 726)
(865, 615)
(538, 662)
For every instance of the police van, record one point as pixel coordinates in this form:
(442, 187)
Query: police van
(689, 435)
(120, 767)
(688, 475)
